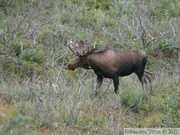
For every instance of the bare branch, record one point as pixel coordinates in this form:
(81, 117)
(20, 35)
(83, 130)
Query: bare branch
(113, 36)
(155, 38)
(144, 31)
(173, 35)
(13, 59)
(17, 28)
(177, 48)
(173, 31)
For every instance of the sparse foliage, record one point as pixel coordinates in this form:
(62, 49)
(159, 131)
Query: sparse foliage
(39, 96)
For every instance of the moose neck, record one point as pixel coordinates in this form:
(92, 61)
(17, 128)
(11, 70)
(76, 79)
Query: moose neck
(93, 61)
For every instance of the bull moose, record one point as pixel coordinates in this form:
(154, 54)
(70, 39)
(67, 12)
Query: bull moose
(110, 63)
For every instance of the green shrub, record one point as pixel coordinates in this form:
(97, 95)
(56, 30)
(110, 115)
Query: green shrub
(18, 46)
(135, 101)
(16, 125)
(32, 56)
(171, 105)
(83, 123)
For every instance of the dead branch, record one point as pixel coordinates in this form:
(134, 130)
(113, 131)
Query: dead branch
(143, 29)
(177, 48)
(113, 36)
(146, 33)
(17, 28)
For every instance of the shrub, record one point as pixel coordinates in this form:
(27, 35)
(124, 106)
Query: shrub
(32, 56)
(16, 125)
(171, 105)
(135, 101)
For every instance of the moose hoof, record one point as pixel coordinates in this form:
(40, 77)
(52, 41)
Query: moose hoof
(116, 92)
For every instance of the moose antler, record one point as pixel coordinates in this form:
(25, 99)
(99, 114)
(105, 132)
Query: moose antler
(81, 53)
(90, 51)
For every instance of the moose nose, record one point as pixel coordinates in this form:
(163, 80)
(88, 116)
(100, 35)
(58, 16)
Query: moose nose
(70, 67)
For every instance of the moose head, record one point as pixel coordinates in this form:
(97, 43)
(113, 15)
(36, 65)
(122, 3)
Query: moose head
(82, 58)
(82, 55)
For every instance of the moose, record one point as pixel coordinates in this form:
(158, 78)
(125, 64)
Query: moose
(110, 63)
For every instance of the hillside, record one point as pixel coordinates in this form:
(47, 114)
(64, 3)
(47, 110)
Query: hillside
(40, 96)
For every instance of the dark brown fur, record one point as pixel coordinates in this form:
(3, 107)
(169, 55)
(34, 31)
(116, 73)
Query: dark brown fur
(113, 64)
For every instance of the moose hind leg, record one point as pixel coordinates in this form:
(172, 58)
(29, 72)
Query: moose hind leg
(99, 83)
(116, 84)
(149, 77)
(141, 79)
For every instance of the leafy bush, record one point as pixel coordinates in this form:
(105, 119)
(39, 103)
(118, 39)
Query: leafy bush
(171, 105)
(135, 101)
(32, 56)
(16, 125)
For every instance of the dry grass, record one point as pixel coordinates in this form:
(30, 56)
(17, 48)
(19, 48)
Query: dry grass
(67, 105)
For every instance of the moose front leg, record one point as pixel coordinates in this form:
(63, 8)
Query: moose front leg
(99, 83)
(116, 84)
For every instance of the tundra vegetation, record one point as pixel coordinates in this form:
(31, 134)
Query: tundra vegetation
(38, 95)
